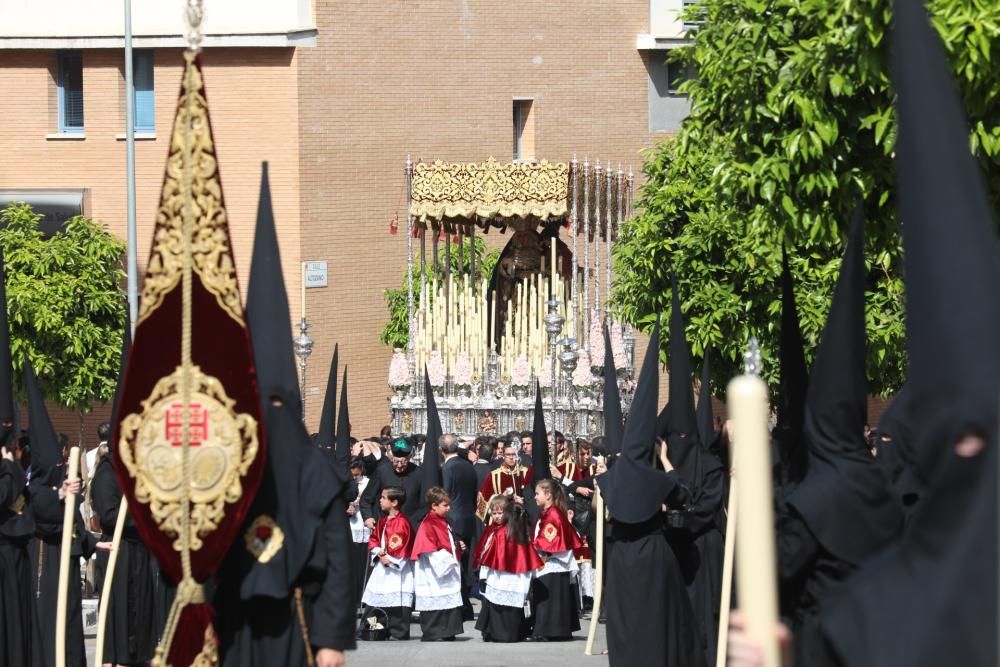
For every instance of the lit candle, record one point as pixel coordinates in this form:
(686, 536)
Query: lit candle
(302, 289)
(553, 261)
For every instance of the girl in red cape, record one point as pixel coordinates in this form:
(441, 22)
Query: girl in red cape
(553, 595)
(438, 572)
(390, 586)
(507, 562)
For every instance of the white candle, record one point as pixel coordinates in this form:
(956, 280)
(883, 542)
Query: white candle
(302, 289)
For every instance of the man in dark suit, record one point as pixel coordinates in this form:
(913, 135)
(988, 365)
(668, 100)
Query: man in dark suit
(459, 477)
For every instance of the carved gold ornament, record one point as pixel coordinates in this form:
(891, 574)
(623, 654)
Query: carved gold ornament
(223, 445)
(209, 655)
(264, 538)
(211, 252)
(490, 189)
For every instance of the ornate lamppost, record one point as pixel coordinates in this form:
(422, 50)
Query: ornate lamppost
(553, 327)
(303, 345)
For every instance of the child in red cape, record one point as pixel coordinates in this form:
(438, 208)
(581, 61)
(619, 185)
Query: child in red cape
(390, 586)
(438, 572)
(554, 599)
(507, 562)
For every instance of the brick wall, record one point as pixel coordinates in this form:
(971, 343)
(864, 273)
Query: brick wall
(436, 80)
(253, 100)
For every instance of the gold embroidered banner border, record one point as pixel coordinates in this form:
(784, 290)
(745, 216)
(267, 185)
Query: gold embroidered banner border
(492, 189)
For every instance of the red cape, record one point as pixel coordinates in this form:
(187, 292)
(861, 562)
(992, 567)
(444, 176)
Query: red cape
(556, 533)
(398, 536)
(499, 552)
(432, 536)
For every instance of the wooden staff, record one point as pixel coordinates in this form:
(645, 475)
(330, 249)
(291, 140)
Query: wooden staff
(102, 613)
(69, 509)
(755, 571)
(727, 574)
(598, 572)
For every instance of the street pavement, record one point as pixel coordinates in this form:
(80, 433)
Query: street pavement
(469, 650)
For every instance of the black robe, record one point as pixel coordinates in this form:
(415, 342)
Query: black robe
(16, 528)
(807, 573)
(415, 507)
(645, 587)
(130, 636)
(254, 632)
(43, 552)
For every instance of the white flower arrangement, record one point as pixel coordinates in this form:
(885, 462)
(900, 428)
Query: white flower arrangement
(463, 370)
(435, 369)
(399, 370)
(545, 373)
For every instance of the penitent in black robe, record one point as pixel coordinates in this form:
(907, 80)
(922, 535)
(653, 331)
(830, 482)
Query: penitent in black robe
(129, 633)
(43, 552)
(253, 632)
(16, 529)
(650, 620)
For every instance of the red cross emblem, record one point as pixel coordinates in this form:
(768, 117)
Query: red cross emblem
(197, 429)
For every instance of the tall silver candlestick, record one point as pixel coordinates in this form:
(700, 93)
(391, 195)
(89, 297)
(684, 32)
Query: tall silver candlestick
(576, 232)
(607, 244)
(585, 319)
(597, 237)
(553, 326)
(568, 359)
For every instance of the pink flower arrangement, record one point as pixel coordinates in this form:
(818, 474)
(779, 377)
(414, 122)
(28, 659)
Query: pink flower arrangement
(435, 369)
(596, 342)
(545, 372)
(618, 346)
(399, 370)
(463, 370)
(520, 375)
(582, 376)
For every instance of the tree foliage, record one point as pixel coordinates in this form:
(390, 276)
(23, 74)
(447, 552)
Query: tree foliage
(791, 123)
(396, 332)
(65, 306)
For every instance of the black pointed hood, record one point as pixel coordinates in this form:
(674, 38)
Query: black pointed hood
(6, 368)
(845, 498)
(951, 271)
(614, 426)
(431, 463)
(122, 367)
(327, 434)
(793, 385)
(706, 420)
(46, 456)
(540, 468)
(683, 419)
(297, 487)
(633, 489)
(895, 448)
(343, 452)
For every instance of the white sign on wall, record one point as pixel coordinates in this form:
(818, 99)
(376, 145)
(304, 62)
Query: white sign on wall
(315, 274)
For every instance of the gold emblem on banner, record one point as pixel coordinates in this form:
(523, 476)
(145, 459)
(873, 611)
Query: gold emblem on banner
(222, 447)
(264, 538)
(210, 253)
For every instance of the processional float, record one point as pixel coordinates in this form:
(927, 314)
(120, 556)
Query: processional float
(486, 339)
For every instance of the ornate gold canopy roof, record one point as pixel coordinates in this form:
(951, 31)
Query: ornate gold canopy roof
(462, 192)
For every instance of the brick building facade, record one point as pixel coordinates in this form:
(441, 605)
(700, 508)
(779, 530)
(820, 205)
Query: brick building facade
(335, 102)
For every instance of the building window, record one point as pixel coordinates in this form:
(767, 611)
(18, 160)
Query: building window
(667, 105)
(524, 130)
(142, 79)
(70, 96)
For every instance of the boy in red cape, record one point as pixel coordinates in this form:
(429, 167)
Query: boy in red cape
(507, 563)
(438, 573)
(390, 586)
(554, 611)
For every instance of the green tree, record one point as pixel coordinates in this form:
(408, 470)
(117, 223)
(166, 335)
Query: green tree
(791, 122)
(65, 306)
(396, 331)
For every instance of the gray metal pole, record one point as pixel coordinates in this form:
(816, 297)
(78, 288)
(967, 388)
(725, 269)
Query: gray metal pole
(133, 263)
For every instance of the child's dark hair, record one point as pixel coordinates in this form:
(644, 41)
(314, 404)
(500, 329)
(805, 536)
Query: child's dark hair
(356, 462)
(395, 493)
(437, 495)
(555, 491)
(517, 523)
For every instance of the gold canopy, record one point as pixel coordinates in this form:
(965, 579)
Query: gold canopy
(464, 191)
